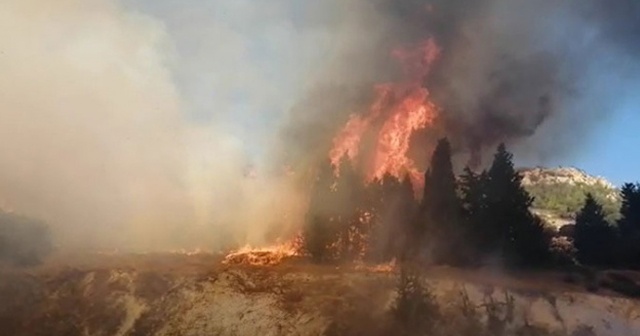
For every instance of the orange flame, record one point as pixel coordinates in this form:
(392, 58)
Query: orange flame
(401, 109)
(263, 256)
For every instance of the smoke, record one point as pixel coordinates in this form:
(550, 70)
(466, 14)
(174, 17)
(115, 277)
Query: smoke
(134, 125)
(138, 123)
(542, 76)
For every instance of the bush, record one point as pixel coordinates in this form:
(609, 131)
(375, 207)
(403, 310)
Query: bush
(415, 310)
(23, 241)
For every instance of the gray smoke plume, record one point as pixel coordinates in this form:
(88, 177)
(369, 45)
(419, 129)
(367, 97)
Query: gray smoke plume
(538, 75)
(131, 123)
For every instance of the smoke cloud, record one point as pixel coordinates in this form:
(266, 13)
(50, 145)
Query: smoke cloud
(138, 125)
(540, 76)
(160, 124)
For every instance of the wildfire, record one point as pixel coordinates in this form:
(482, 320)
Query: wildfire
(263, 256)
(401, 109)
(389, 267)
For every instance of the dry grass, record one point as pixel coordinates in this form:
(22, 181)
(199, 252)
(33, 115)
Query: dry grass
(356, 300)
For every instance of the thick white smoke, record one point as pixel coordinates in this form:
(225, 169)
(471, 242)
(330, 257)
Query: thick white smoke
(97, 139)
(135, 123)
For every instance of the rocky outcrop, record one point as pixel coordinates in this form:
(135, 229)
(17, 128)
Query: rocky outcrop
(566, 175)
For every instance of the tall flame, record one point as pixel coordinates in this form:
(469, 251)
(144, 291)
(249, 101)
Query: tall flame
(401, 109)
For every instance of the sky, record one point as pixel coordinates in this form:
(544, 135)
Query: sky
(237, 63)
(242, 65)
(132, 122)
(613, 152)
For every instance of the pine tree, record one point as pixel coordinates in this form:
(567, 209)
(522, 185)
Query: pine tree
(593, 236)
(393, 211)
(407, 211)
(629, 222)
(440, 208)
(629, 225)
(516, 234)
(473, 189)
(350, 199)
(318, 232)
(440, 201)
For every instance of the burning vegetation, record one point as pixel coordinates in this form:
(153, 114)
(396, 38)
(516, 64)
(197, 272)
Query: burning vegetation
(265, 256)
(398, 110)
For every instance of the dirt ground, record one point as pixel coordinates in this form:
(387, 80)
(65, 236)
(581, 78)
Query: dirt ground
(179, 294)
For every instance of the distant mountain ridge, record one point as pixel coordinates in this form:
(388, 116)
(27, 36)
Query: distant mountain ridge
(568, 175)
(560, 192)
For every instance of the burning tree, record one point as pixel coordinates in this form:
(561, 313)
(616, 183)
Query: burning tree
(397, 112)
(361, 207)
(319, 231)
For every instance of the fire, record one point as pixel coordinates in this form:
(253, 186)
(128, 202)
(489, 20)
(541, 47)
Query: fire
(263, 256)
(401, 109)
(389, 267)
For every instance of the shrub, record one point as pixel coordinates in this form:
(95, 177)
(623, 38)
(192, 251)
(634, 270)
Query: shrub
(415, 310)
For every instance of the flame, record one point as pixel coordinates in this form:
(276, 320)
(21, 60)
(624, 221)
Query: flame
(263, 256)
(401, 109)
(389, 267)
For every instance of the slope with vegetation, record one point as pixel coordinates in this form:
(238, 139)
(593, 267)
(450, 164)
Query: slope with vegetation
(560, 193)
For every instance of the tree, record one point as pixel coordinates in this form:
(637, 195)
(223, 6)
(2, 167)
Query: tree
(319, 231)
(629, 225)
(473, 191)
(440, 208)
(406, 211)
(440, 201)
(349, 199)
(630, 208)
(415, 308)
(384, 222)
(513, 231)
(593, 236)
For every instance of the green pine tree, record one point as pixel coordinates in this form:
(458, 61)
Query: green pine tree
(473, 190)
(514, 232)
(441, 209)
(629, 222)
(629, 225)
(594, 238)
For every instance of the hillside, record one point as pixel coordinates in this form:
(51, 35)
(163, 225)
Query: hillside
(240, 294)
(198, 295)
(560, 192)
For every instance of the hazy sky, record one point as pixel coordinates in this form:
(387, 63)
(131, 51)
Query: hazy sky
(614, 152)
(255, 60)
(132, 123)
(240, 64)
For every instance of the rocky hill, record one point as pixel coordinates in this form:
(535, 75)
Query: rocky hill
(560, 192)
(563, 175)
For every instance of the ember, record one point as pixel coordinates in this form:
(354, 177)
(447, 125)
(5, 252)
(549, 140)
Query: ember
(266, 256)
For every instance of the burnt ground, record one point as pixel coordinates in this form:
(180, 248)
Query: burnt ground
(176, 294)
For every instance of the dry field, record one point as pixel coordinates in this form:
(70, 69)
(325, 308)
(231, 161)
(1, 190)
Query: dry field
(199, 294)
